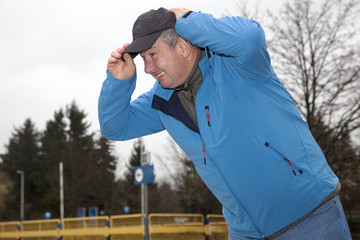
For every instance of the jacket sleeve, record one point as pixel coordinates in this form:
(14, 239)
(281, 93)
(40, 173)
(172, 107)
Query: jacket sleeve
(235, 37)
(123, 119)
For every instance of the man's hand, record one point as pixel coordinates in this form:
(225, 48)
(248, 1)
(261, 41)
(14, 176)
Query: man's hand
(118, 68)
(179, 12)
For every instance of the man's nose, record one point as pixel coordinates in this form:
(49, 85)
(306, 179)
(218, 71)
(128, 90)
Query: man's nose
(149, 66)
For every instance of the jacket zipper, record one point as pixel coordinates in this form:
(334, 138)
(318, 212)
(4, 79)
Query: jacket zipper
(284, 158)
(207, 114)
(203, 149)
(207, 110)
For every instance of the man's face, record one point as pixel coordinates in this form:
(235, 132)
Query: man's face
(165, 64)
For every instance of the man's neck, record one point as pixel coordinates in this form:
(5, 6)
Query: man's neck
(191, 61)
(199, 55)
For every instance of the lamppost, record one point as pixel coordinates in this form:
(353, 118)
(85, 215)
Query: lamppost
(22, 194)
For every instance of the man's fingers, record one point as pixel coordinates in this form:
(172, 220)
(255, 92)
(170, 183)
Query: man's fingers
(127, 57)
(118, 68)
(178, 12)
(112, 60)
(116, 53)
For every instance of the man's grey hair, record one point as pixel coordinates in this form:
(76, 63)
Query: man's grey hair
(170, 36)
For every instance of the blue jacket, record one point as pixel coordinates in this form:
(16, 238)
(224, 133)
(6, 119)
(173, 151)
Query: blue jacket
(251, 147)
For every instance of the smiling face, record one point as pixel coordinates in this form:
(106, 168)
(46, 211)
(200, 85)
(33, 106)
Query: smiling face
(170, 67)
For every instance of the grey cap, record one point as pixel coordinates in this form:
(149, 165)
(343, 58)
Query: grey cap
(148, 28)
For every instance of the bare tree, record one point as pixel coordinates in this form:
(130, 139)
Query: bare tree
(172, 163)
(248, 9)
(317, 56)
(193, 195)
(316, 53)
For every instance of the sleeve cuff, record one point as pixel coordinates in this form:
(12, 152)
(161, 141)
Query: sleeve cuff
(111, 78)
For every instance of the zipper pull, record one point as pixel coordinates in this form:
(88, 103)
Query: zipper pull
(285, 158)
(207, 114)
(288, 161)
(203, 149)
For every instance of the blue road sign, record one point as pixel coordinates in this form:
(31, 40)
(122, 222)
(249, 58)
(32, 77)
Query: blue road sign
(144, 174)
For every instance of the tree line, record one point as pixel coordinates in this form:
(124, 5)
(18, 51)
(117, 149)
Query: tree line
(89, 174)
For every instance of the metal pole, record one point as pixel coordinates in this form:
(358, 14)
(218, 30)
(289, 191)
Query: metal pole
(144, 196)
(146, 212)
(144, 208)
(61, 192)
(22, 200)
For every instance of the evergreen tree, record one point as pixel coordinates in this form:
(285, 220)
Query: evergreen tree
(133, 196)
(89, 168)
(105, 175)
(6, 186)
(53, 148)
(88, 165)
(119, 197)
(79, 163)
(194, 196)
(135, 159)
(168, 200)
(23, 154)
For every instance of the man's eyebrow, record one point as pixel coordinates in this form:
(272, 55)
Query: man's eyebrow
(152, 47)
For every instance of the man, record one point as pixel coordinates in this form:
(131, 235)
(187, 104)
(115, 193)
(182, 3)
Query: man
(219, 98)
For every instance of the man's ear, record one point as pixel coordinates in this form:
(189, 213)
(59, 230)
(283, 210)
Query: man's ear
(185, 47)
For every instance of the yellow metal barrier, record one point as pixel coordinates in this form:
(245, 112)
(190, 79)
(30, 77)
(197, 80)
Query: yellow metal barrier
(176, 226)
(216, 227)
(89, 227)
(44, 229)
(124, 227)
(9, 230)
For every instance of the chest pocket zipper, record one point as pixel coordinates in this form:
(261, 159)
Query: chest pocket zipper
(285, 159)
(207, 111)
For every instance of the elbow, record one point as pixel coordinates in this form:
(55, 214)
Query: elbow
(106, 134)
(111, 133)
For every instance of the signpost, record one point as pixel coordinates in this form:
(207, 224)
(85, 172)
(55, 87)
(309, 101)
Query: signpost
(22, 194)
(144, 175)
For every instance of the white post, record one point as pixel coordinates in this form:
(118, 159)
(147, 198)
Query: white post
(22, 200)
(61, 192)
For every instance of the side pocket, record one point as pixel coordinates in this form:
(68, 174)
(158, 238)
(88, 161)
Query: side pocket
(286, 160)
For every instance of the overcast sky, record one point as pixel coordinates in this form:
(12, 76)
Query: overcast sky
(54, 52)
